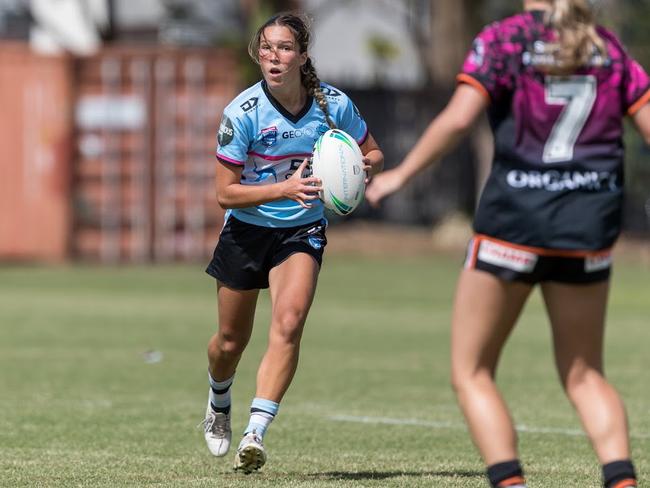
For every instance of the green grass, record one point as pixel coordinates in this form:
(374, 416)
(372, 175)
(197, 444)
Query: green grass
(80, 406)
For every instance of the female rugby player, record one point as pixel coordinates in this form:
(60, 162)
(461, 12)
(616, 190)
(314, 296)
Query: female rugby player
(556, 88)
(274, 235)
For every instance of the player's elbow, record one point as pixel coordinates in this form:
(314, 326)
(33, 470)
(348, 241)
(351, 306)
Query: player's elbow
(223, 200)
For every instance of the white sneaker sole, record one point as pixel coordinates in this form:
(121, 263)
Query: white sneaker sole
(249, 459)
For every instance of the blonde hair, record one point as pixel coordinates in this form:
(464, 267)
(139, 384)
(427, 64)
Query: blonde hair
(578, 43)
(299, 25)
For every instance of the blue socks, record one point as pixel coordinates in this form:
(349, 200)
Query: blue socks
(262, 414)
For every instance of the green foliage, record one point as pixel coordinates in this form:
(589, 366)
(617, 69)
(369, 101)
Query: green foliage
(82, 406)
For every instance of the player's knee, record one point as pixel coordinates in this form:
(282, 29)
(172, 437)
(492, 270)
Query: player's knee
(288, 325)
(464, 379)
(227, 343)
(581, 377)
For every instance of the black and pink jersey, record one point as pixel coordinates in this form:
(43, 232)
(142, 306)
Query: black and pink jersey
(557, 176)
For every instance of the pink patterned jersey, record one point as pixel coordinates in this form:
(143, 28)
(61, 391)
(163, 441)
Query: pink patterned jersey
(557, 177)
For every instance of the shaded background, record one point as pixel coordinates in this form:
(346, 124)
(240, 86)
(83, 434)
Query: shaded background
(110, 109)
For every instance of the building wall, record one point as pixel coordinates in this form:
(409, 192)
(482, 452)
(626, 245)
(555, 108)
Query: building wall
(111, 157)
(35, 136)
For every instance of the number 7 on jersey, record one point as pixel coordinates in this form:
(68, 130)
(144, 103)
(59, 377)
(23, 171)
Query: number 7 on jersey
(578, 94)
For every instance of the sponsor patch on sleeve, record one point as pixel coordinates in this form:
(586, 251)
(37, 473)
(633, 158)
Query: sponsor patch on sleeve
(226, 132)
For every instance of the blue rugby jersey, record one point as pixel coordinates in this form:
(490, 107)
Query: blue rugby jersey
(269, 143)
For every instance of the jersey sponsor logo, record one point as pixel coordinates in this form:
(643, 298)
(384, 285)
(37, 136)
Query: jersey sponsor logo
(538, 54)
(249, 104)
(507, 257)
(598, 262)
(554, 180)
(294, 134)
(477, 57)
(226, 132)
(269, 136)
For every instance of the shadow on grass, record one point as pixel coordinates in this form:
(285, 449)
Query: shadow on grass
(382, 475)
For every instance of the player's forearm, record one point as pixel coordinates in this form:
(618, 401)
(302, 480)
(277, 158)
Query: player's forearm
(441, 136)
(241, 196)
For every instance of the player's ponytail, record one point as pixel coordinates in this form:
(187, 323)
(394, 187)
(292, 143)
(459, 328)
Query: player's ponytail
(299, 25)
(311, 81)
(578, 42)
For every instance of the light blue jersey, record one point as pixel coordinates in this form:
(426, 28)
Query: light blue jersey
(269, 142)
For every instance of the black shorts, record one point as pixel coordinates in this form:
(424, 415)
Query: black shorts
(246, 253)
(512, 262)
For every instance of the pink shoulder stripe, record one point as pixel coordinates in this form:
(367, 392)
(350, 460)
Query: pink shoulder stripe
(278, 158)
(230, 160)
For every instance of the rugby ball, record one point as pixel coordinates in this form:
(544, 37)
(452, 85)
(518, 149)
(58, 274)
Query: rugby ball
(338, 162)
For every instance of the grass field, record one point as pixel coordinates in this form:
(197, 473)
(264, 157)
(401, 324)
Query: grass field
(83, 404)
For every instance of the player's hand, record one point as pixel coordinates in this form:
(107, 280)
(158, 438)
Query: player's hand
(302, 190)
(382, 185)
(367, 167)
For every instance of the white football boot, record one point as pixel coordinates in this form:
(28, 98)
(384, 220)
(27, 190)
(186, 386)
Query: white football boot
(217, 431)
(250, 454)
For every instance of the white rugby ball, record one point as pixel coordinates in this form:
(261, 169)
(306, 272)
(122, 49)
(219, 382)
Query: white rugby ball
(337, 161)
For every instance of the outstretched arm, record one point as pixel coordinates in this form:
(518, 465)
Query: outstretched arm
(442, 135)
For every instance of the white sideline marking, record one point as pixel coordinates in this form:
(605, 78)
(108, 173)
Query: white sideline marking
(452, 425)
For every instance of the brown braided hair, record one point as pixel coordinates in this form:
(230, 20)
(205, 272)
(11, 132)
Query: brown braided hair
(299, 25)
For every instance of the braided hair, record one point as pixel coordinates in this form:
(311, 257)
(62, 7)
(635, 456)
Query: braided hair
(299, 25)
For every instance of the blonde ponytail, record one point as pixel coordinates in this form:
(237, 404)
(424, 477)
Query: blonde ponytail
(578, 42)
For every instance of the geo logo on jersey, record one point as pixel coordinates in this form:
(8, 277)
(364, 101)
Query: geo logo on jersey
(507, 257)
(226, 132)
(269, 136)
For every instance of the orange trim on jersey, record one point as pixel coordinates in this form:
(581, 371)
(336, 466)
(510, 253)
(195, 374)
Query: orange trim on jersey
(515, 480)
(568, 253)
(464, 78)
(627, 483)
(636, 106)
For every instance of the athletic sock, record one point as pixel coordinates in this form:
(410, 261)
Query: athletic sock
(619, 474)
(262, 414)
(506, 475)
(220, 394)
